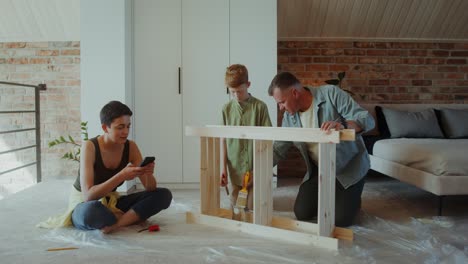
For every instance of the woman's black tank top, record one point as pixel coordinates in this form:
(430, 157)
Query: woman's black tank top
(101, 173)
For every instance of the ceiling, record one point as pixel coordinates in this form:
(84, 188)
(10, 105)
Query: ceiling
(438, 20)
(39, 20)
(420, 20)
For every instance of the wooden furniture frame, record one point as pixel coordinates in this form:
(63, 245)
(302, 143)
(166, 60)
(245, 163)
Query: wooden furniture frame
(323, 234)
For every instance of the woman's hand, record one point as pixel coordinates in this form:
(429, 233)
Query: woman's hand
(131, 172)
(148, 170)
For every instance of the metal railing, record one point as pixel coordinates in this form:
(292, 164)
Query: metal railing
(37, 128)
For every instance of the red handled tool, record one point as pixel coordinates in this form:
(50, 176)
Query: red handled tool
(151, 228)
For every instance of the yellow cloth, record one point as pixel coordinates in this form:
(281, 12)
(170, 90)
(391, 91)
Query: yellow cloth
(75, 198)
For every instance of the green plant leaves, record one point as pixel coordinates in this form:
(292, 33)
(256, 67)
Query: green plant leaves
(74, 153)
(84, 130)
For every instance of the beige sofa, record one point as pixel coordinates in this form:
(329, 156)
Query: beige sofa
(436, 164)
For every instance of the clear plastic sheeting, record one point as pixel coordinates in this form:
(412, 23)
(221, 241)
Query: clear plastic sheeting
(417, 240)
(435, 240)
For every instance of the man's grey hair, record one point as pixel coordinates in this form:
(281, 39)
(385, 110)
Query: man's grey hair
(283, 81)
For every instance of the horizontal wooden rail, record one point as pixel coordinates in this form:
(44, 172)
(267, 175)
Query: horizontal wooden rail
(273, 133)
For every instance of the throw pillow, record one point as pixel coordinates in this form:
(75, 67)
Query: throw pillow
(454, 122)
(412, 124)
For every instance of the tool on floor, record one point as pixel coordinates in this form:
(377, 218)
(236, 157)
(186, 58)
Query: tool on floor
(59, 249)
(227, 190)
(151, 228)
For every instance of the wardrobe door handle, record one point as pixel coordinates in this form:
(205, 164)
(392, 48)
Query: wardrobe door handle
(179, 80)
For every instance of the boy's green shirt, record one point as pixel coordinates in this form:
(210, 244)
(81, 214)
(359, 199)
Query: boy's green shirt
(252, 112)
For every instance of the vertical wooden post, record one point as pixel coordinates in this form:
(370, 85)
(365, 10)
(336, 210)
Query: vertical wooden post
(215, 179)
(326, 189)
(209, 175)
(204, 198)
(263, 173)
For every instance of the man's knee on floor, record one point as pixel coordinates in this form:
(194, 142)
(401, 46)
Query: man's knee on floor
(304, 214)
(344, 220)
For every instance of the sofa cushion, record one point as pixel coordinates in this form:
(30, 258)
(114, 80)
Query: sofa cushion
(422, 124)
(441, 157)
(454, 122)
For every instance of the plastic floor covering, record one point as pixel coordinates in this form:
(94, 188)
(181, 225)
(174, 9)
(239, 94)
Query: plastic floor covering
(396, 225)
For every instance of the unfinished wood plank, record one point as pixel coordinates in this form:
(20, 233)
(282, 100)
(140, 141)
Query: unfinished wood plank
(347, 135)
(263, 173)
(263, 231)
(209, 175)
(213, 176)
(217, 172)
(204, 199)
(326, 190)
(294, 225)
(272, 133)
(311, 228)
(343, 234)
(224, 213)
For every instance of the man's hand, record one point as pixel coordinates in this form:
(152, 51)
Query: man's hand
(250, 183)
(328, 125)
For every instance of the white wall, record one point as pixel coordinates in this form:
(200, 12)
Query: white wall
(106, 60)
(254, 26)
(105, 57)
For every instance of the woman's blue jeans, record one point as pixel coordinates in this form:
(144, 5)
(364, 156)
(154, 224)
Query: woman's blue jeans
(94, 215)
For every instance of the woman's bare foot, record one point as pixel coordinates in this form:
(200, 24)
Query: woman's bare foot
(143, 222)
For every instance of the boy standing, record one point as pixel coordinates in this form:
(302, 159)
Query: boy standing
(242, 110)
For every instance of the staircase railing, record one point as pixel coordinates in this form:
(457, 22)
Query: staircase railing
(37, 128)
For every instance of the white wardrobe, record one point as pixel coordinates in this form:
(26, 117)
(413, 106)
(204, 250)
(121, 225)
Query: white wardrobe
(181, 49)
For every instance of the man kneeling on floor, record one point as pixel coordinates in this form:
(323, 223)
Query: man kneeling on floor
(325, 107)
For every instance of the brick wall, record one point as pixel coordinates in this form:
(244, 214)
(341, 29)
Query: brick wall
(378, 72)
(58, 65)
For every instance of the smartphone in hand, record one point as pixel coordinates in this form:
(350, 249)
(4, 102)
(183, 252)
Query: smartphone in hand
(147, 161)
